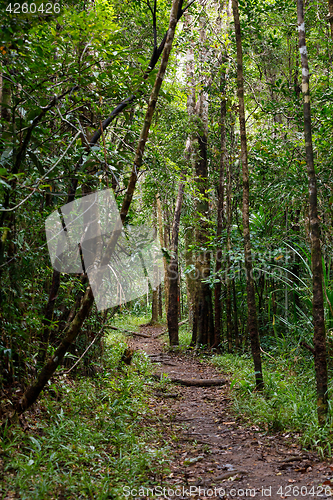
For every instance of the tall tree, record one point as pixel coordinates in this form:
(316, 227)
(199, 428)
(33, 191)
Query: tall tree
(165, 264)
(319, 338)
(250, 291)
(155, 290)
(204, 321)
(173, 271)
(220, 217)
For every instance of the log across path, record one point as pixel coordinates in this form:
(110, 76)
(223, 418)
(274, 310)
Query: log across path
(216, 454)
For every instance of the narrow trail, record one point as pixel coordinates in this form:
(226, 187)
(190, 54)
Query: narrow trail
(216, 454)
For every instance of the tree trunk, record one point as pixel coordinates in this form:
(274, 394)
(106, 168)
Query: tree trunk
(154, 303)
(165, 264)
(48, 315)
(220, 219)
(154, 307)
(190, 278)
(319, 339)
(204, 294)
(33, 391)
(250, 292)
(160, 303)
(173, 311)
(228, 281)
(205, 322)
(296, 265)
(237, 340)
(49, 308)
(167, 242)
(5, 114)
(220, 190)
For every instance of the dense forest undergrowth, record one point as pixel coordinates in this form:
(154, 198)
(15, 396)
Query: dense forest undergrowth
(89, 437)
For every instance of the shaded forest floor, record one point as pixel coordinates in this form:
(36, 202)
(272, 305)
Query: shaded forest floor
(129, 432)
(215, 449)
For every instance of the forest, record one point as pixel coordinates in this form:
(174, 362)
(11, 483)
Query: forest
(166, 281)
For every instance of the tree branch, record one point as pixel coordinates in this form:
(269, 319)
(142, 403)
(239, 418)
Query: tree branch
(21, 153)
(129, 100)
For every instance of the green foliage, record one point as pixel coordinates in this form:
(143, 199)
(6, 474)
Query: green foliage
(288, 403)
(90, 438)
(98, 53)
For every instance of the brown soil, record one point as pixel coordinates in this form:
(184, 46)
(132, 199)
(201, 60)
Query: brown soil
(212, 448)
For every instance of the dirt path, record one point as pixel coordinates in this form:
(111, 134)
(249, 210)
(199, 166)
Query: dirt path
(216, 456)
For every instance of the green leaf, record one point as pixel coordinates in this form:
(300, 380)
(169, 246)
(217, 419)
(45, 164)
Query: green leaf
(36, 162)
(3, 183)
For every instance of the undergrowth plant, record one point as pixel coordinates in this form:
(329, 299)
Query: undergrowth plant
(288, 402)
(88, 437)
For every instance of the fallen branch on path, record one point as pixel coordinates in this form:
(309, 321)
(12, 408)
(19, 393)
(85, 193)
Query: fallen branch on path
(166, 395)
(131, 333)
(166, 331)
(227, 475)
(193, 382)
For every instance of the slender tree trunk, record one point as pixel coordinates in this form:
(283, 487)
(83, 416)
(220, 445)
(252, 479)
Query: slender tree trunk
(179, 294)
(6, 133)
(250, 292)
(205, 321)
(228, 281)
(167, 243)
(48, 315)
(237, 340)
(195, 318)
(154, 307)
(220, 190)
(33, 391)
(190, 279)
(319, 338)
(162, 243)
(49, 308)
(190, 157)
(154, 304)
(204, 294)
(173, 308)
(296, 265)
(160, 303)
(220, 220)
